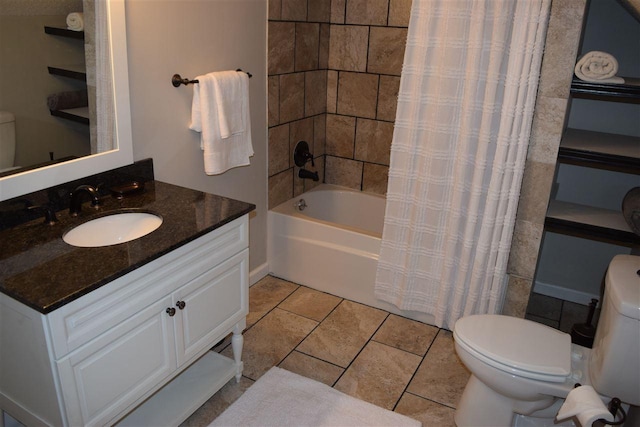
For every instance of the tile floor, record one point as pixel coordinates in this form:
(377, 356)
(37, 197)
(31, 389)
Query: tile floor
(393, 362)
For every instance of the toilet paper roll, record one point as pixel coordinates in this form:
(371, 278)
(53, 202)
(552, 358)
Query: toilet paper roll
(584, 403)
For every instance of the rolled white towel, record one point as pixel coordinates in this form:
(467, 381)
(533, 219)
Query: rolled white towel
(598, 67)
(75, 21)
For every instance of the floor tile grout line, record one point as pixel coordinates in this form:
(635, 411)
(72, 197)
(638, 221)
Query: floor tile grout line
(313, 357)
(418, 368)
(362, 348)
(430, 400)
(311, 331)
(302, 315)
(249, 327)
(272, 308)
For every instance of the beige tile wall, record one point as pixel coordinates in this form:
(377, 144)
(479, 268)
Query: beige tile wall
(561, 48)
(334, 73)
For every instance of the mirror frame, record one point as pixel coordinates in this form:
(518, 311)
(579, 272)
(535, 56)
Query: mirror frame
(33, 180)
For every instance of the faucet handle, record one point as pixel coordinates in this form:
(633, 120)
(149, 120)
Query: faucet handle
(301, 154)
(49, 214)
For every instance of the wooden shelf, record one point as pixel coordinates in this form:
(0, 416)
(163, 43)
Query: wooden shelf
(589, 222)
(600, 150)
(627, 92)
(78, 115)
(64, 32)
(182, 396)
(76, 72)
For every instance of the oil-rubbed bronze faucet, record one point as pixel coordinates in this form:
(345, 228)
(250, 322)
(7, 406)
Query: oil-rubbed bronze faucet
(48, 211)
(75, 205)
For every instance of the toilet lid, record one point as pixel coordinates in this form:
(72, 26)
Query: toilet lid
(515, 345)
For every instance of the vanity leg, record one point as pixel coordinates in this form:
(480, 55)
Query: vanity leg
(1, 418)
(237, 340)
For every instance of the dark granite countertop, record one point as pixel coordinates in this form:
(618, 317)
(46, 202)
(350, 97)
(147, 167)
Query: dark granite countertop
(40, 270)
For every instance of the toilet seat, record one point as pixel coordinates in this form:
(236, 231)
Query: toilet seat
(517, 346)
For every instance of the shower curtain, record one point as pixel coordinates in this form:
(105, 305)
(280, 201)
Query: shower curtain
(105, 112)
(465, 107)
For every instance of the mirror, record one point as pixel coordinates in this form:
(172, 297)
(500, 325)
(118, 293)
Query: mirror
(118, 123)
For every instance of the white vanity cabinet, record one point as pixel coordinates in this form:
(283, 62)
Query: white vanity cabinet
(134, 351)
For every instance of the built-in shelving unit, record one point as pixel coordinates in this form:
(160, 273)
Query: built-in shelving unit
(627, 92)
(598, 162)
(73, 71)
(589, 222)
(76, 72)
(78, 115)
(618, 153)
(64, 32)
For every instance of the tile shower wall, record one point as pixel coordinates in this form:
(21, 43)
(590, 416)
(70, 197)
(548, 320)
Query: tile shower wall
(561, 48)
(334, 73)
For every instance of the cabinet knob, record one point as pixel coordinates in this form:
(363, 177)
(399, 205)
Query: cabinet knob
(171, 311)
(181, 304)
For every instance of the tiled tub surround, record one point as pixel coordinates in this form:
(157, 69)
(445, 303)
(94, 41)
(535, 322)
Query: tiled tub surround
(390, 361)
(359, 51)
(40, 270)
(334, 73)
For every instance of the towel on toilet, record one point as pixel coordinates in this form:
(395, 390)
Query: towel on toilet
(75, 21)
(598, 67)
(220, 111)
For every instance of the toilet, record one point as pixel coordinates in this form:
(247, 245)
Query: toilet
(7, 141)
(523, 370)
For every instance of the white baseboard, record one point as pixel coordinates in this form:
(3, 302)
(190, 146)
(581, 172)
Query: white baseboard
(562, 293)
(258, 273)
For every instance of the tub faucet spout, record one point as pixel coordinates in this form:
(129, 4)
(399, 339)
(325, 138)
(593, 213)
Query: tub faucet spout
(305, 174)
(75, 205)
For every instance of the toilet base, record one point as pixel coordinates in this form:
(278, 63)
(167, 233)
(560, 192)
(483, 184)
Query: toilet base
(481, 406)
(524, 421)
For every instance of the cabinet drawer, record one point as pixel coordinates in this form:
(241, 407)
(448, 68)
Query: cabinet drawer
(78, 322)
(101, 379)
(213, 303)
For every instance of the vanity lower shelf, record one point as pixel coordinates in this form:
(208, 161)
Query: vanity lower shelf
(590, 223)
(181, 397)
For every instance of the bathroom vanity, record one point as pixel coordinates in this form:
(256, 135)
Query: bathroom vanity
(122, 334)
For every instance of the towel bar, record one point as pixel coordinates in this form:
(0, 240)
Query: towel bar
(177, 80)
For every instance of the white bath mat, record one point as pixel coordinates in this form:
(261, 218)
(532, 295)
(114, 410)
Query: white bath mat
(282, 398)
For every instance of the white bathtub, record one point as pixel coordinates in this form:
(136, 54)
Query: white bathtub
(332, 245)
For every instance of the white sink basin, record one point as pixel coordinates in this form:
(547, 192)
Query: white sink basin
(112, 229)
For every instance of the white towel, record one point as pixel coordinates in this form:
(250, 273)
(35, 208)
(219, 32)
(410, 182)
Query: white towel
(230, 102)
(221, 98)
(598, 67)
(75, 21)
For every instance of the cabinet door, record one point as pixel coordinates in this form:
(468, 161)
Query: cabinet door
(212, 304)
(102, 379)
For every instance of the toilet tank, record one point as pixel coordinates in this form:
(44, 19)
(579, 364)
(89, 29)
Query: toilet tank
(7, 139)
(614, 365)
